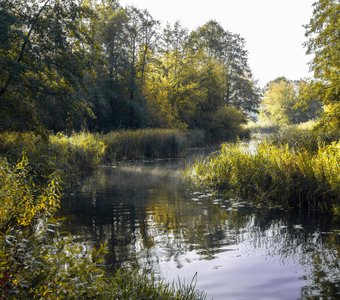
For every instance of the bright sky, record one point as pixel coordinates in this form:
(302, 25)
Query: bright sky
(272, 29)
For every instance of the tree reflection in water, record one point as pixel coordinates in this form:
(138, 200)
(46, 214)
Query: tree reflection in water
(149, 218)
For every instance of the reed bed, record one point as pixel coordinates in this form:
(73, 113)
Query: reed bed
(302, 137)
(275, 174)
(145, 144)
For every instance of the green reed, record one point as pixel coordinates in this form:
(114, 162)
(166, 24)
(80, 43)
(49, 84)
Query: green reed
(275, 174)
(144, 144)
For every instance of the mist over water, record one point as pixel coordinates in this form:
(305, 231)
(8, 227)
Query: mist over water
(152, 220)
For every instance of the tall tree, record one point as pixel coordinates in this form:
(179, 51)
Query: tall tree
(142, 36)
(108, 80)
(228, 49)
(323, 32)
(41, 64)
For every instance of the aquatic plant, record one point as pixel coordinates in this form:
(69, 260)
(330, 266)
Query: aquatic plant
(303, 136)
(274, 174)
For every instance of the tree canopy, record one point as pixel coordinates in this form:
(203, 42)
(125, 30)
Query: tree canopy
(323, 32)
(75, 64)
(287, 102)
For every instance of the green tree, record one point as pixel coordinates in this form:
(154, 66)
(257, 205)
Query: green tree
(108, 79)
(277, 102)
(41, 64)
(228, 48)
(323, 32)
(123, 44)
(287, 102)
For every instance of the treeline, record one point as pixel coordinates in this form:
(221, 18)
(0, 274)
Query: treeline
(287, 102)
(69, 65)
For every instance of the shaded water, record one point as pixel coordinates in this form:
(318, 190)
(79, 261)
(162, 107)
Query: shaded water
(152, 220)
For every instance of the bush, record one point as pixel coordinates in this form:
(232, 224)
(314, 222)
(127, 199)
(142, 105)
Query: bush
(226, 124)
(35, 261)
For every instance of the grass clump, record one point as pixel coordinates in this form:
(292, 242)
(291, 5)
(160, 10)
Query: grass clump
(134, 285)
(144, 143)
(275, 174)
(262, 127)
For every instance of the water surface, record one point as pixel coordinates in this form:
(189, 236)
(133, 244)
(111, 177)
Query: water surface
(152, 220)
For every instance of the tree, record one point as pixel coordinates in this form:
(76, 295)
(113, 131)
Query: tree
(323, 32)
(108, 79)
(286, 102)
(277, 102)
(141, 36)
(124, 40)
(228, 49)
(42, 63)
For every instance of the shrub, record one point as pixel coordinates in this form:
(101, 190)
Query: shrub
(35, 261)
(226, 124)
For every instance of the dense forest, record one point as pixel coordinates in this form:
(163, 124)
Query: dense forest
(70, 65)
(85, 82)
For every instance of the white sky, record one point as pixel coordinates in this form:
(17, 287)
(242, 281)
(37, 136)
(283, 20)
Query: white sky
(272, 29)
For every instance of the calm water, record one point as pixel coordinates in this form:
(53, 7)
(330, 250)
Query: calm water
(152, 220)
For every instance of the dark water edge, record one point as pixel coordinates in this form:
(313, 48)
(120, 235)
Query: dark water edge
(151, 219)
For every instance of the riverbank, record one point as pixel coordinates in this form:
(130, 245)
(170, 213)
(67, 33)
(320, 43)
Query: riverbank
(293, 169)
(73, 156)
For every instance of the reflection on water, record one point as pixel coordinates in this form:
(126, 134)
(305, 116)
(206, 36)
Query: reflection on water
(150, 219)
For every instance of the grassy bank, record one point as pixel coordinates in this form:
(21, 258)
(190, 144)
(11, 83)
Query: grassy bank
(75, 155)
(275, 174)
(71, 156)
(39, 261)
(135, 285)
(303, 137)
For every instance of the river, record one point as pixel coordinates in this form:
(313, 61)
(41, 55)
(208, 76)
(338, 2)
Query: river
(152, 220)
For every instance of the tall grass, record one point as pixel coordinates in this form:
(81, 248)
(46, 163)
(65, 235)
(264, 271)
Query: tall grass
(132, 285)
(72, 156)
(144, 143)
(262, 127)
(303, 136)
(78, 153)
(275, 174)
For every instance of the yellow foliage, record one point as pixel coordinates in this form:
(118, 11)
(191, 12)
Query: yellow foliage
(20, 202)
